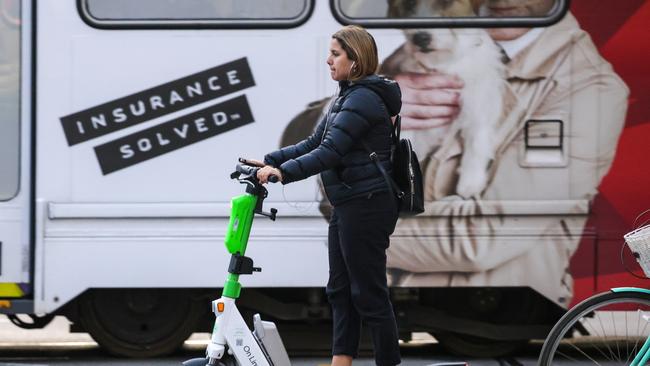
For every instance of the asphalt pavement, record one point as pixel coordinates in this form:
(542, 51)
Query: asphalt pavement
(55, 345)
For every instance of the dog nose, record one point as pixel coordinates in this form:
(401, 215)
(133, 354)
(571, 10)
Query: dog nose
(421, 39)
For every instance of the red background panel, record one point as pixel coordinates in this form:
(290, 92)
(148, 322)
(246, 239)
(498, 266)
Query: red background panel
(620, 31)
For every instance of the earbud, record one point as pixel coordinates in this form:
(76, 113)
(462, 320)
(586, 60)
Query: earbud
(354, 63)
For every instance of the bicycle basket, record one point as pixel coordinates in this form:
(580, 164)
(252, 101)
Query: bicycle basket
(639, 243)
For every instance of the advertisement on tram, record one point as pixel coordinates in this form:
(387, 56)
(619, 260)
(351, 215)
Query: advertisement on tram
(122, 121)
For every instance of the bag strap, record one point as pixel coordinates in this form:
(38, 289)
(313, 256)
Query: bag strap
(397, 128)
(390, 182)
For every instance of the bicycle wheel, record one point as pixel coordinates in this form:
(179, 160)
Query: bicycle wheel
(605, 329)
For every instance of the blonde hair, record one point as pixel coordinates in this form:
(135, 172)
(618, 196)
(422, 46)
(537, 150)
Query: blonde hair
(360, 48)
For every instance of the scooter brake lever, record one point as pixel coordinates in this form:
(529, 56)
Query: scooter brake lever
(271, 215)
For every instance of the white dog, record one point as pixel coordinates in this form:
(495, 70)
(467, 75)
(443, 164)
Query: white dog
(469, 54)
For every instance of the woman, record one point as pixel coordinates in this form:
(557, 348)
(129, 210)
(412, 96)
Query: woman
(364, 213)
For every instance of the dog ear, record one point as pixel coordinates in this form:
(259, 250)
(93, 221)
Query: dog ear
(392, 65)
(393, 9)
(476, 5)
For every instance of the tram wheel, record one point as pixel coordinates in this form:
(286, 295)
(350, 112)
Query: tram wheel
(491, 305)
(139, 322)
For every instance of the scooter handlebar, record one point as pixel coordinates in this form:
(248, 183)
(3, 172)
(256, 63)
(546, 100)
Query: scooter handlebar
(247, 169)
(252, 172)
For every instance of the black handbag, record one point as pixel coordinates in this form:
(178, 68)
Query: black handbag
(406, 182)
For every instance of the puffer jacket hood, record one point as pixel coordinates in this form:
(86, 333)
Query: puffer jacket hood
(387, 89)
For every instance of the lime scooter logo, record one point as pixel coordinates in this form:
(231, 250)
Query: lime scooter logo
(161, 100)
(250, 356)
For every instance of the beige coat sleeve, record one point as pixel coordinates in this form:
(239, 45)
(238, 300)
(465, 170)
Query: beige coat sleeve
(598, 103)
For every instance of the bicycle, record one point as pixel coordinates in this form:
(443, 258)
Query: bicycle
(584, 333)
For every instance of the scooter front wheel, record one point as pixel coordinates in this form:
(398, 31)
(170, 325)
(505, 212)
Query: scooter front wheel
(196, 362)
(227, 360)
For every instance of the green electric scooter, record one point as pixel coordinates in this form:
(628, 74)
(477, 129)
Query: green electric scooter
(232, 342)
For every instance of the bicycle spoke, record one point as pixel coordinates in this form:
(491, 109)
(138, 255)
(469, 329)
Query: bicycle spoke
(629, 355)
(605, 336)
(633, 353)
(642, 337)
(586, 355)
(594, 331)
(560, 353)
(637, 335)
(645, 324)
(618, 350)
(627, 348)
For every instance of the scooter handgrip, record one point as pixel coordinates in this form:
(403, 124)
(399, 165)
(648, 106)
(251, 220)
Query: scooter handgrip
(273, 178)
(245, 169)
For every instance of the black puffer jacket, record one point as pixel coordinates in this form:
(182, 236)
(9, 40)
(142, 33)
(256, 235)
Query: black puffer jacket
(360, 112)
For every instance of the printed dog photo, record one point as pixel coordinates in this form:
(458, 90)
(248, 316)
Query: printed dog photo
(469, 54)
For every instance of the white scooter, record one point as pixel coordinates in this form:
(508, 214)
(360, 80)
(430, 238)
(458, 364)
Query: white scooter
(232, 342)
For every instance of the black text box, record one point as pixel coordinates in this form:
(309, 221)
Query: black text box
(157, 101)
(169, 136)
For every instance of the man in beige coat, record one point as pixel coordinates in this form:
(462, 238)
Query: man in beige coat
(527, 223)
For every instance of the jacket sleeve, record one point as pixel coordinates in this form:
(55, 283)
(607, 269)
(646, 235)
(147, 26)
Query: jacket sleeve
(361, 110)
(276, 158)
(460, 238)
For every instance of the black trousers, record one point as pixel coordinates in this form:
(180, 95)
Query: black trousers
(357, 290)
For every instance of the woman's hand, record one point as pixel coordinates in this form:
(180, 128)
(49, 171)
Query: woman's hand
(429, 100)
(264, 173)
(252, 162)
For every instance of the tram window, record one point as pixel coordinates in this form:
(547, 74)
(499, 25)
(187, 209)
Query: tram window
(195, 13)
(9, 98)
(449, 13)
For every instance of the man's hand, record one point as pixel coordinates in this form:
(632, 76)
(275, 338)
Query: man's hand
(264, 173)
(429, 100)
